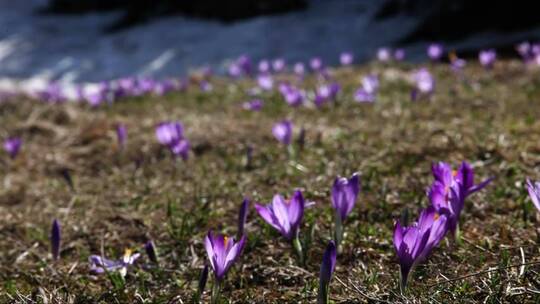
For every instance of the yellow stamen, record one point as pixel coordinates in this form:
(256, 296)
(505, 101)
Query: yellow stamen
(127, 252)
(454, 173)
(436, 216)
(225, 240)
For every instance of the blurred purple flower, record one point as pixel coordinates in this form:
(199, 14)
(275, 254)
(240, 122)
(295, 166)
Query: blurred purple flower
(278, 65)
(383, 54)
(487, 58)
(399, 54)
(121, 135)
(316, 64)
(284, 216)
(293, 96)
(424, 83)
(101, 265)
(524, 50)
(283, 131)
(222, 252)
(534, 192)
(435, 51)
(12, 146)
(264, 66)
(171, 134)
(265, 81)
(368, 90)
(299, 69)
(253, 105)
(346, 58)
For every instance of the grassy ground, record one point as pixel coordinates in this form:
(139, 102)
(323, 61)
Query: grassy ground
(123, 198)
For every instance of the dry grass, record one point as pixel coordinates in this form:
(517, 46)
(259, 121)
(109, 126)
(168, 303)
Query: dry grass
(124, 197)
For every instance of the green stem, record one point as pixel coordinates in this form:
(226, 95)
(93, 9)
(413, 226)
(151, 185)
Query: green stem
(216, 291)
(323, 294)
(291, 152)
(298, 247)
(338, 233)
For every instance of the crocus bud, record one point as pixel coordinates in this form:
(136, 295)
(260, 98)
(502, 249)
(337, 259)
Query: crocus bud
(121, 135)
(12, 146)
(242, 217)
(55, 240)
(327, 269)
(151, 251)
(203, 278)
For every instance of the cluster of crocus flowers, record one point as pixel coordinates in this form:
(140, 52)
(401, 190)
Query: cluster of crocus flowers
(414, 243)
(99, 264)
(368, 90)
(451, 188)
(424, 84)
(285, 216)
(12, 146)
(344, 195)
(292, 95)
(171, 135)
(222, 252)
(487, 58)
(326, 93)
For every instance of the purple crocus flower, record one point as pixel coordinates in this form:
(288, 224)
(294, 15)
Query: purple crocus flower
(283, 131)
(327, 269)
(361, 95)
(264, 66)
(424, 83)
(524, 50)
(234, 70)
(457, 64)
(413, 244)
(383, 54)
(344, 194)
(278, 65)
(101, 265)
(451, 188)
(293, 96)
(487, 58)
(55, 240)
(316, 64)
(326, 92)
(299, 69)
(435, 51)
(399, 54)
(171, 134)
(265, 81)
(534, 192)
(253, 105)
(244, 62)
(346, 58)
(121, 134)
(284, 216)
(12, 146)
(242, 217)
(222, 252)
(368, 90)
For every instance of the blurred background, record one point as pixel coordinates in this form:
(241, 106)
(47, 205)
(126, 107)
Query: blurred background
(95, 40)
